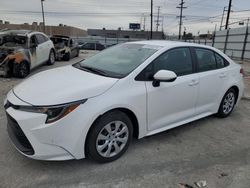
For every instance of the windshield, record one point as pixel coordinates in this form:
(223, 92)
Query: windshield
(120, 60)
(13, 40)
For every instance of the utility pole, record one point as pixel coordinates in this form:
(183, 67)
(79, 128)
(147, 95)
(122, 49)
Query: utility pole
(151, 27)
(222, 18)
(181, 7)
(43, 16)
(158, 16)
(144, 23)
(162, 22)
(228, 13)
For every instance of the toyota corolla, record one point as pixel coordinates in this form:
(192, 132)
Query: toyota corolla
(95, 107)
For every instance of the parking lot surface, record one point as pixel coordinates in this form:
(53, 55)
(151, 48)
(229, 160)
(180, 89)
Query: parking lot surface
(211, 149)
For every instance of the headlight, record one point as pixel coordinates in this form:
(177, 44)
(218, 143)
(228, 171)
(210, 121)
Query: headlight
(54, 113)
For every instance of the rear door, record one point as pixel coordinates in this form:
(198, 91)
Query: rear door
(172, 102)
(73, 47)
(212, 76)
(43, 47)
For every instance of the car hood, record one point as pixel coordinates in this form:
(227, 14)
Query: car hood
(62, 85)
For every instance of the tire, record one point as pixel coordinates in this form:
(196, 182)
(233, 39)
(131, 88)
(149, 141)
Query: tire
(227, 104)
(21, 70)
(77, 53)
(67, 56)
(52, 58)
(112, 133)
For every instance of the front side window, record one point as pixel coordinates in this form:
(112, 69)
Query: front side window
(33, 40)
(119, 60)
(205, 59)
(177, 60)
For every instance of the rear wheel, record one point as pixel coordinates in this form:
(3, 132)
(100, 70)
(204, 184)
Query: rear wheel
(52, 58)
(21, 70)
(227, 103)
(67, 56)
(109, 137)
(77, 53)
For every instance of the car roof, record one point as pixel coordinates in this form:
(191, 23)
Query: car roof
(170, 44)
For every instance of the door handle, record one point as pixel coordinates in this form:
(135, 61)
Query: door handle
(193, 82)
(222, 75)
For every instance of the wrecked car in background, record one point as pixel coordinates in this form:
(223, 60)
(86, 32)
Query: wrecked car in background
(92, 46)
(66, 47)
(22, 50)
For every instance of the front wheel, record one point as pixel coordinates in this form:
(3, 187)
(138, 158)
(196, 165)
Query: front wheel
(109, 137)
(227, 104)
(21, 70)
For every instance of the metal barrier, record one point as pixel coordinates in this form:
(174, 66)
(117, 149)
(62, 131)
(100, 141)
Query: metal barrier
(233, 42)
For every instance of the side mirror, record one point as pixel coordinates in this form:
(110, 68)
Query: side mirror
(33, 45)
(163, 76)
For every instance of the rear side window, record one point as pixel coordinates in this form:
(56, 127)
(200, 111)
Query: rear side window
(40, 38)
(177, 60)
(89, 46)
(221, 62)
(205, 59)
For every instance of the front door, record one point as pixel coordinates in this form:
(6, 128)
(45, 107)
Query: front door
(172, 102)
(34, 51)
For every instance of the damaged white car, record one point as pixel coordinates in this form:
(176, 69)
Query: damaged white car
(22, 50)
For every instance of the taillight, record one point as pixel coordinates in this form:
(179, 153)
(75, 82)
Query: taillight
(242, 71)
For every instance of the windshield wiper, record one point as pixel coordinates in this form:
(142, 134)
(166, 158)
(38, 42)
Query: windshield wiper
(97, 71)
(93, 70)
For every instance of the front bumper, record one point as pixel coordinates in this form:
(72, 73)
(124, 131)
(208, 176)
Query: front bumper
(25, 131)
(61, 140)
(18, 137)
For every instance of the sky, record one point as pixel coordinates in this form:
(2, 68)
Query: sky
(201, 16)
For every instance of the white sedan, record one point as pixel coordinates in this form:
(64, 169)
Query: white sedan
(93, 108)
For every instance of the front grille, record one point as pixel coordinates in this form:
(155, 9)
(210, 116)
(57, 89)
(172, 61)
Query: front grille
(9, 104)
(18, 137)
